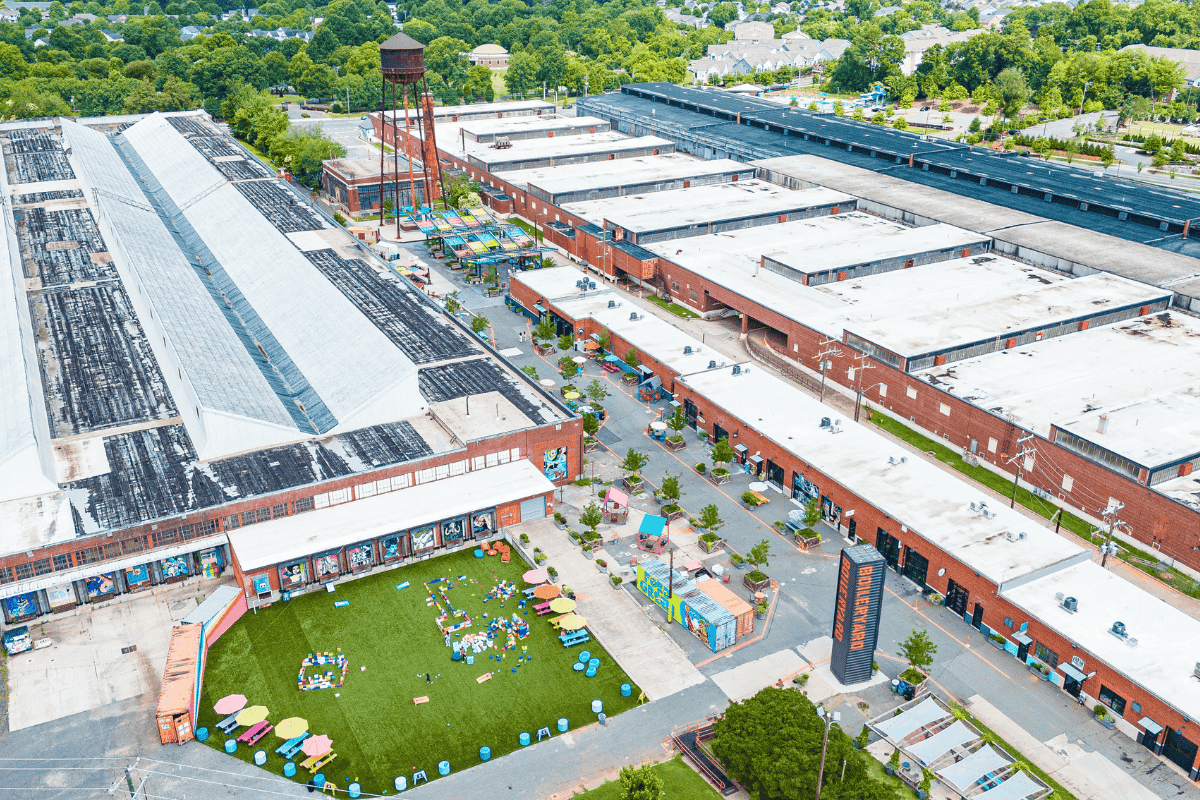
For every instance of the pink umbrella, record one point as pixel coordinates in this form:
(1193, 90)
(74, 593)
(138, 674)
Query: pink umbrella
(536, 576)
(317, 745)
(230, 704)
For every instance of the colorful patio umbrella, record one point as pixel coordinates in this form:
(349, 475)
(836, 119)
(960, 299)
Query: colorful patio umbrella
(562, 605)
(252, 715)
(317, 745)
(579, 360)
(230, 703)
(536, 576)
(572, 622)
(291, 727)
(571, 396)
(547, 382)
(547, 591)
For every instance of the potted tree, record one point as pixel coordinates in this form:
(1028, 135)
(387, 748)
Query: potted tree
(633, 462)
(893, 763)
(596, 392)
(710, 518)
(919, 650)
(722, 454)
(756, 580)
(566, 342)
(710, 541)
(676, 422)
(671, 493)
(591, 426)
(701, 468)
(543, 334)
(632, 360)
(923, 789)
(591, 517)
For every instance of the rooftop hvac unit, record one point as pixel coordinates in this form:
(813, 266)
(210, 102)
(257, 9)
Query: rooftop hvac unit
(712, 365)
(896, 459)
(1118, 629)
(825, 422)
(1070, 604)
(1196, 671)
(974, 506)
(612, 303)
(633, 316)
(836, 427)
(687, 351)
(737, 369)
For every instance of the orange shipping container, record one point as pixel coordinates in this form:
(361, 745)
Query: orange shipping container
(175, 712)
(732, 603)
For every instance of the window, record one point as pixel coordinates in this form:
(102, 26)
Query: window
(112, 550)
(911, 391)
(232, 522)
(62, 561)
(849, 373)
(365, 490)
(1068, 483)
(132, 546)
(674, 287)
(883, 390)
(1112, 700)
(24, 571)
(262, 514)
(692, 296)
(279, 510)
(166, 537)
(515, 453)
(42, 567)
(492, 459)
(458, 467)
(992, 445)
(6, 575)
(304, 504)
(1136, 706)
(88, 556)
(402, 481)
(425, 475)
(340, 496)
(247, 518)
(477, 462)
(1046, 655)
(945, 409)
(441, 471)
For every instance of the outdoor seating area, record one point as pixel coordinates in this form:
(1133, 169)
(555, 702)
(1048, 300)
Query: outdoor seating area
(428, 677)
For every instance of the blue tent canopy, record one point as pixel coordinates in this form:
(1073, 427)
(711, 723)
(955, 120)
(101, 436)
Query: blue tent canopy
(652, 526)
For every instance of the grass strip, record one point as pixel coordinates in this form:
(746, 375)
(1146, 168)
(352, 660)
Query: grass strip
(680, 782)
(674, 308)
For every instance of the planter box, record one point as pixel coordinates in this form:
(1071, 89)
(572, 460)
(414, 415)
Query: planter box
(494, 292)
(589, 554)
(1107, 722)
(674, 515)
(701, 474)
(602, 567)
(995, 644)
(543, 351)
(1034, 670)
(708, 548)
(718, 480)
(591, 447)
(756, 586)
(632, 486)
(675, 446)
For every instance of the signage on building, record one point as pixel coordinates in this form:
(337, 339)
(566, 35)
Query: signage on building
(856, 613)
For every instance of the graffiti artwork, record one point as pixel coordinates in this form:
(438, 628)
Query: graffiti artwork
(327, 565)
(174, 567)
(452, 531)
(100, 586)
(554, 464)
(359, 556)
(392, 547)
(136, 576)
(483, 524)
(21, 606)
(423, 538)
(293, 576)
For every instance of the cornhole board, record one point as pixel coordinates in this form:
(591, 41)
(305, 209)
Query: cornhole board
(487, 676)
(419, 700)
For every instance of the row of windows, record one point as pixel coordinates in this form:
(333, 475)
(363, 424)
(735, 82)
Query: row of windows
(256, 515)
(397, 482)
(88, 555)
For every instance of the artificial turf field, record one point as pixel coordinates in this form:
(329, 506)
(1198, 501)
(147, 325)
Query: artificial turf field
(377, 731)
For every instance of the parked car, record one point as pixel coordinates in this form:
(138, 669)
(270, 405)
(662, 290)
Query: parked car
(924, 108)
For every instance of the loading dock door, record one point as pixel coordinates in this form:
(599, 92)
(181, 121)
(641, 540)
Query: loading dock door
(977, 617)
(1179, 749)
(916, 567)
(533, 509)
(956, 599)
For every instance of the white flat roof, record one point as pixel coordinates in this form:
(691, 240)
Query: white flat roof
(1040, 383)
(581, 146)
(1157, 662)
(924, 330)
(280, 540)
(516, 106)
(1152, 431)
(505, 125)
(559, 282)
(621, 172)
(916, 494)
(699, 205)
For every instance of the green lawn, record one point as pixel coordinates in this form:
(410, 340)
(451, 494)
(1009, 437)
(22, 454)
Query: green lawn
(674, 308)
(680, 782)
(377, 731)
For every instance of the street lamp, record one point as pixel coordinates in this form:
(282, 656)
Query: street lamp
(858, 400)
(829, 719)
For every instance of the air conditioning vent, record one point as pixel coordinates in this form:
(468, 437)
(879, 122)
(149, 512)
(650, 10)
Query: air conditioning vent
(1070, 604)
(687, 351)
(612, 303)
(824, 422)
(1118, 629)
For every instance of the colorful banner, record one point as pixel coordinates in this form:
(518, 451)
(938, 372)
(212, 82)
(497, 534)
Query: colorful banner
(392, 547)
(293, 576)
(60, 596)
(174, 567)
(554, 464)
(483, 524)
(136, 576)
(262, 584)
(210, 562)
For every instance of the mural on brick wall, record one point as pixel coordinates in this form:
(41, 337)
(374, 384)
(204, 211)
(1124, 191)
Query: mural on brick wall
(554, 464)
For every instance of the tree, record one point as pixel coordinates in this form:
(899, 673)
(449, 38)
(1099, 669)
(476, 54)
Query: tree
(479, 324)
(591, 516)
(710, 517)
(12, 63)
(771, 745)
(545, 329)
(521, 76)
(722, 453)
(670, 488)
(631, 358)
(1012, 91)
(918, 649)
(634, 461)
(758, 555)
(722, 14)
(677, 421)
(322, 45)
(591, 425)
(460, 187)
(596, 391)
(641, 783)
(478, 83)
(812, 512)
(1107, 157)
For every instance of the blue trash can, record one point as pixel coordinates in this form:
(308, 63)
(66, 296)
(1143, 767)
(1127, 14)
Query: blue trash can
(443, 768)
(201, 734)
(456, 655)
(597, 706)
(603, 719)
(355, 791)
(231, 745)
(626, 690)
(289, 769)
(524, 739)
(584, 656)
(260, 758)
(485, 753)
(319, 779)
(563, 725)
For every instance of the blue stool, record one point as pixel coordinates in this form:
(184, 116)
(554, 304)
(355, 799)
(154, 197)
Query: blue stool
(289, 769)
(355, 791)
(602, 719)
(231, 745)
(524, 739)
(485, 753)
(443, 768)
(456, 655)
(594, 663)
(400, 783)
(578, 667)
(562, 725)
(319, 779)
(626, 690)
(201, 734)
(478, 553)
(597, 706)
(260, 758)
(591, 672)
(584, 656)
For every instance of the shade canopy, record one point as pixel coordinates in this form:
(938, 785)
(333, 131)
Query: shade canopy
(291, 727)
(547, 591)
(562, 605)
(572, 622)
(652, 525)
(612, 495)
(658, 426)
(317, 745)
(230, 704)
(536, 576)
(757, 486)
(547, 382)
(252, 715)
(579, 360)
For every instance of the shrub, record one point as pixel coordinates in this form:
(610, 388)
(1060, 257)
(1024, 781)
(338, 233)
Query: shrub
(339, 219)
(761, 608)
(540, 558)
(559, 518)
(736, 559)
(670, 508)
(750, 498)
(864, 736)
(601, 562)
(524, 538)
(616, 579)
(911, 676)
(720, 472)
(997, 638)
(709, 538)
(701, 467)
(757, 575)
(553, 573)
(894, 761)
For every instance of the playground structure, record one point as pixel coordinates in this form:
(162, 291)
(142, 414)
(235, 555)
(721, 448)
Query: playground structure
(654, 534)
(449, 612)
(708, 619)
(616, 506)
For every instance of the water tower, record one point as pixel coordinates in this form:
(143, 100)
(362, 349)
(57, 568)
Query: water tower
(402, 61)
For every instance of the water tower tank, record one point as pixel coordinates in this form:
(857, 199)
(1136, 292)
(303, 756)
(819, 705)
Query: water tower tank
(402, 59)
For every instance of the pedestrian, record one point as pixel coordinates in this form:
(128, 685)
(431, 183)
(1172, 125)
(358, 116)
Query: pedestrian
(427, 678)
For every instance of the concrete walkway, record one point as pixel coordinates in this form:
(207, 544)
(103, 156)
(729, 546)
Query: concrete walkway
(647, 654)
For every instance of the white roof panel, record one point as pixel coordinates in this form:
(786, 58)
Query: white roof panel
(963, 774)
(930, 750)
(909, 722)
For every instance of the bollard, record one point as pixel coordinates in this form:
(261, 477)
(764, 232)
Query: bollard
(597, 706)
(401, 783)
(626, 690)
(231, 745)
(289, 769)
(260, 758)
(562, 725)
(485, 753)
(201, 734)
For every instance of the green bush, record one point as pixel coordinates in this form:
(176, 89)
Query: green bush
(339, 219)
(616, 579)
(736, 559)
(709, 538)
(559, 518)
(757, 575)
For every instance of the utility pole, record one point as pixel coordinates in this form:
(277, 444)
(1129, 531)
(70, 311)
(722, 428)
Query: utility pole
(829, 719)
(858, 373)
(1020, 459)
(1112, 517)
(828, 348)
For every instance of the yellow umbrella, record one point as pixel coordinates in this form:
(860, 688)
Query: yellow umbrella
(562, 605)
(252, 715)
(572, 622)
(291, 727)
(571, 396)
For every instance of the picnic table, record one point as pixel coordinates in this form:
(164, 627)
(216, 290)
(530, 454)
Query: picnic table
(255, 732)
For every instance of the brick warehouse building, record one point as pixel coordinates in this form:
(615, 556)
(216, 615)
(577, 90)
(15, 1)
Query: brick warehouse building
(998, 570)
(353, 183)
(569, 204)
(192, 410)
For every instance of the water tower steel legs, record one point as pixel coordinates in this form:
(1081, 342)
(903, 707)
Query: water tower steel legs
(395, 159)
(412, 184)
(382, 128)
